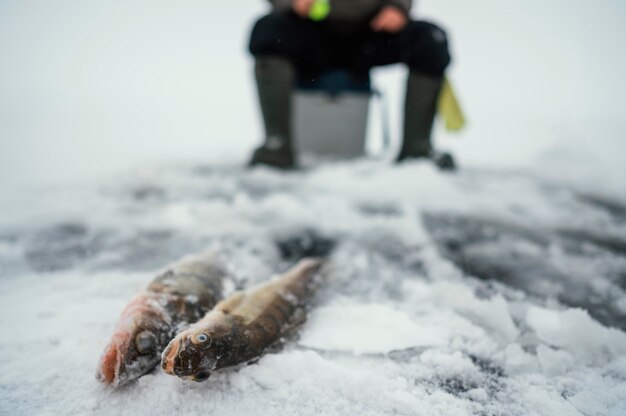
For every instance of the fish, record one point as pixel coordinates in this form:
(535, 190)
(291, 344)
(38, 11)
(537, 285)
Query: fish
(242, 326)
(183, 293)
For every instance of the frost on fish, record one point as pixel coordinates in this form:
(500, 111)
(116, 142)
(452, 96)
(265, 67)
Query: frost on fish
(242, 326)
(174, 299)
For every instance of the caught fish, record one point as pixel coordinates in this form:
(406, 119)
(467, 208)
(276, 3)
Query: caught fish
(242, 326)
(181, 295)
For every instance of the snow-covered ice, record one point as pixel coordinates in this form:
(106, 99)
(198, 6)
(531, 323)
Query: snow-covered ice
(403, 325)
(497, 291)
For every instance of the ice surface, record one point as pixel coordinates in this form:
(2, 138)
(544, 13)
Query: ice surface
(574, 331)
(366, 328)
(401, 326)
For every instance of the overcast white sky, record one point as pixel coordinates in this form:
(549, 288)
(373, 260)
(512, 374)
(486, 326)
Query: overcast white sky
(89, 88)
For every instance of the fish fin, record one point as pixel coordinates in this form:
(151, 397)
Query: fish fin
(289, 333)
(297, 319)
(231, 302)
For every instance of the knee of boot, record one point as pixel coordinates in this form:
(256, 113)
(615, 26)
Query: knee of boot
(268, 34)
(430, 52)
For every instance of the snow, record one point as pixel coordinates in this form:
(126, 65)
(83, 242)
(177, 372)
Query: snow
(366, 328)
(399, 327)
(498, 290)
(574, 331)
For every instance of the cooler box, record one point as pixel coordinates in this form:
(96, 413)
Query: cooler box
(330, 114)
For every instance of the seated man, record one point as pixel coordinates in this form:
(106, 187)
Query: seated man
(357, 35)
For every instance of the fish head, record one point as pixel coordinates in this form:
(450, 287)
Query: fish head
(134, 349)
(193, 354)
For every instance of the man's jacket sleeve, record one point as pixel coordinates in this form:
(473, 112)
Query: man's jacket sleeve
(402, 4)
(281, 4)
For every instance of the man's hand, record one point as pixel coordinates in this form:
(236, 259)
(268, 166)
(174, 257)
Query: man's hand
(302, 7)
(390, 19)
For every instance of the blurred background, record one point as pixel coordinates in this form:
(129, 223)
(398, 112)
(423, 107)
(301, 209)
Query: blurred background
(500, 289)
(91, 88)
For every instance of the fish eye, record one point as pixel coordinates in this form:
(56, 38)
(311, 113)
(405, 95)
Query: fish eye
(201, 376)
(145, 342)
(202, 338)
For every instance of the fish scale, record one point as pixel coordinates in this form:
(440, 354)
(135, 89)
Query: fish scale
(241, 327)
(179, 296)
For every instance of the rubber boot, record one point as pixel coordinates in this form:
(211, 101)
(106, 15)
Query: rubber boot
(420, 107)
(275, 79)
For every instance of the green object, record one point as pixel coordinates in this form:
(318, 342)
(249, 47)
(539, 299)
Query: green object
(319, 10)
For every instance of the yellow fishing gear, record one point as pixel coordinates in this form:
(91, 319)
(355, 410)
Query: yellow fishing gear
(449, 108)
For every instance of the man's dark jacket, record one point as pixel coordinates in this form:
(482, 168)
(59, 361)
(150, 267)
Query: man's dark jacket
(351, 10)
